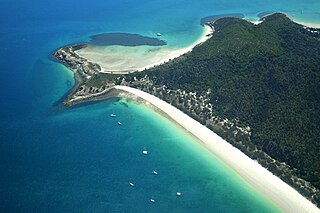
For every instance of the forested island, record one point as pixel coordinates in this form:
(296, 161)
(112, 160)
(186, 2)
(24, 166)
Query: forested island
(257, 86)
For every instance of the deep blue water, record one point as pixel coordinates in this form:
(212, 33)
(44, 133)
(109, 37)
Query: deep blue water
(79, 159)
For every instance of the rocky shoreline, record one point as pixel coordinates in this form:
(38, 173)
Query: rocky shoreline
(83, 70)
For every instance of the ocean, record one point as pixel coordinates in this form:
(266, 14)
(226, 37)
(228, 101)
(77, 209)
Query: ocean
(79, 159)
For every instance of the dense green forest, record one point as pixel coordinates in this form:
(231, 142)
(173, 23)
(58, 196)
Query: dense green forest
(268, 77)
(265, 76)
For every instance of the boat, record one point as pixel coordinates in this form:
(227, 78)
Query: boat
(145, 152)
(159, 34)
(131, 184)
(119, 123)
(155, 172)
(178, 193)
(113, 115)
(152, 200)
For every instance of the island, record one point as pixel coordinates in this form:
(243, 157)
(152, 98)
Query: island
(255, 85)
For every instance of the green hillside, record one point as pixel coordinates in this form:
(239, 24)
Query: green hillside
(268, 77)
(265, 76)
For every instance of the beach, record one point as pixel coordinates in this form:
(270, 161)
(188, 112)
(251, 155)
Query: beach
(308, 24)
(122, 59)
(175, 54)
(119, 59)
(272, 187)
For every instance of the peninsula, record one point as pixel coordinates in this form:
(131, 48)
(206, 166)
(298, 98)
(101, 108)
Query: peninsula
(259, 91)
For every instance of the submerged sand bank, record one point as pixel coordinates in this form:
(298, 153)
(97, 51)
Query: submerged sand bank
(123, 59)
(264, 181)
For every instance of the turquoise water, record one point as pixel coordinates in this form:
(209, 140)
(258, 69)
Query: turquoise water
(79, 159)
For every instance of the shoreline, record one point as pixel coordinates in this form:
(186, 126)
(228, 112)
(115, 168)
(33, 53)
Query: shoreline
(305, 24)
(91, 93)
(168, 55)
(308, 24)
(207, 33)
(280, 193)
(173, 54)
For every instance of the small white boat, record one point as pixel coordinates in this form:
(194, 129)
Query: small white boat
(131, 184)
(178, 193)
(152, 200)
(155, 172)
(159, 34)
(113, 115)
(145, 152)
(119, 123)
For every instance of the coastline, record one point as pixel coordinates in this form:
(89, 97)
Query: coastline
(207, 33)
(69, 57)
(308, 24)
(287, 198)
(117, 66)
(302, 22)
(89, 93)
(112, 60)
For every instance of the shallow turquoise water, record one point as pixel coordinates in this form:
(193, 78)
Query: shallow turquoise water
(80, 159)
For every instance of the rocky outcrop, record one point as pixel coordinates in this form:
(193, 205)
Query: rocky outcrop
(79, 65)
(83, 69)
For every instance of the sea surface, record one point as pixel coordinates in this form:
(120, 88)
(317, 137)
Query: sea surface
(80, 159)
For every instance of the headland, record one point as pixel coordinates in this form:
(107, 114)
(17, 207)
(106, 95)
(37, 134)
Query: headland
(186, 82)
(72, 56)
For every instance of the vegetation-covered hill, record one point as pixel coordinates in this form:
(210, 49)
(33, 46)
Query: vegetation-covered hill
(264, 76)
(268, 77)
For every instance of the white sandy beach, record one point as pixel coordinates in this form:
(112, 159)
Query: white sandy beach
(314, 25)
(308, 24)
(264, 181)
(123, 59)
(175, 54)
